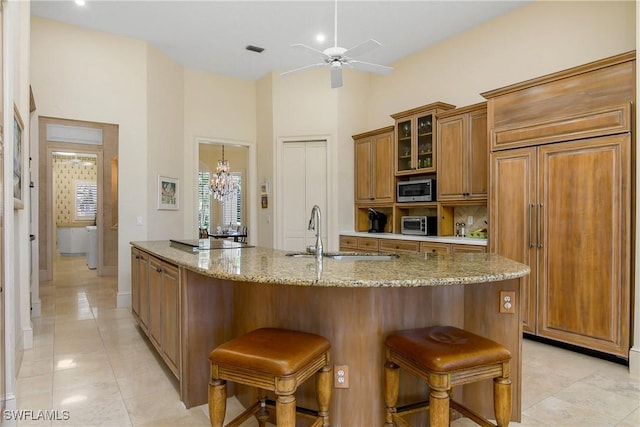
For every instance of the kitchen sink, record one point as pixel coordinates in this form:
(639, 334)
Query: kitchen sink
(300, 255)
(361, 256)
(347, 256)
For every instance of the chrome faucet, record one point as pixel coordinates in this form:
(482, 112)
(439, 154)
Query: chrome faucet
(314, 224)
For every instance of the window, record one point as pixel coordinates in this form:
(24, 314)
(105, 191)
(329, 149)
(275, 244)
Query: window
(86, 200)
(204, 200)
(230, 212)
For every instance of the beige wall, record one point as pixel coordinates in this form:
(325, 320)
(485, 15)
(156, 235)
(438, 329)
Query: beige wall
(537, 39)
(265, 154)
(216, 108)
(165, 106)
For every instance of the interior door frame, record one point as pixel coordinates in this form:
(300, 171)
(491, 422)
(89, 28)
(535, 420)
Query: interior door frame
(251, 179)
(330, 218)
(107, 243)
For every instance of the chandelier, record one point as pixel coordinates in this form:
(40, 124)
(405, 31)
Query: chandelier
(223, 186)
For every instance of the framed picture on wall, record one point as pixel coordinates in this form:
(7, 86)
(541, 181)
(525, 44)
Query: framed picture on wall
(18, 173)
(168, 195)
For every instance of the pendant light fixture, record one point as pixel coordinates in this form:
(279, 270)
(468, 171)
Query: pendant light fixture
(223, 186)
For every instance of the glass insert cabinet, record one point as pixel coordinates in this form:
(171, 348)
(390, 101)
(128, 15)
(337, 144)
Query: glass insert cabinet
(415, 150)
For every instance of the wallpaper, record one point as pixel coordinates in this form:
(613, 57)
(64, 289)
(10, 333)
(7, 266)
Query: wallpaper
(66, 171)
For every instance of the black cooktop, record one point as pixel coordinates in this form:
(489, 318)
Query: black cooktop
(197, 245)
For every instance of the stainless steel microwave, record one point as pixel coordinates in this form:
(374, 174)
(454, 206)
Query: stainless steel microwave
(417, 190)
(419, 225)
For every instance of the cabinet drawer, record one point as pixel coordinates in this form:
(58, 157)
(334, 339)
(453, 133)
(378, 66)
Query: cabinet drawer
(348, 242)
(467, 248)
(387, 245)
(368, 243)
(436, 248)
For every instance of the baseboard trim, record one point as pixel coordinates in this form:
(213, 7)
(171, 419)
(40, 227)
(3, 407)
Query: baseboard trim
(123, 300)
(36, 308)
(27, 338)
(634, 361)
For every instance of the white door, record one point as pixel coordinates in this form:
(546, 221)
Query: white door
(304, 184)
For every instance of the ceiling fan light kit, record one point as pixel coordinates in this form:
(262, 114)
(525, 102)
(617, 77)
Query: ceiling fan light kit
(336, 57)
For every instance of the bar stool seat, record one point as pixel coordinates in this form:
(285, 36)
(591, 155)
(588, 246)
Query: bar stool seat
(444, 357)
(276, 360)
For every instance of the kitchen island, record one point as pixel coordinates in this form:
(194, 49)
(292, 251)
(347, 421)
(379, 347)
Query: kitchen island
(217, 294)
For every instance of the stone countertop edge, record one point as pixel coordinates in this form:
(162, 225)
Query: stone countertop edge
(415, 238)
(272, 266)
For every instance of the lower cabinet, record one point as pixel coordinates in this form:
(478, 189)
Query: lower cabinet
(391, 245)
(155, 303)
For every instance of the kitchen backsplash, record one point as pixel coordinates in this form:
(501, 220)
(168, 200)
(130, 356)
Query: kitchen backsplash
(479, 214)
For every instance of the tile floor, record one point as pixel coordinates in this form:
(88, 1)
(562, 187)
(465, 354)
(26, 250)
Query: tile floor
(90, 359)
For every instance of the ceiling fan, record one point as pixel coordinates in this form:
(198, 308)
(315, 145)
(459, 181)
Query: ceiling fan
(336, 57)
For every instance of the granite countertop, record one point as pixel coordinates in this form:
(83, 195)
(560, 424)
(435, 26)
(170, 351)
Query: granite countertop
(265, 265)
(435, 239)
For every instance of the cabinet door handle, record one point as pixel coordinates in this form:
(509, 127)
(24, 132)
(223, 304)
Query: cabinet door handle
(159, 270)
(531, 225)
(540, 207)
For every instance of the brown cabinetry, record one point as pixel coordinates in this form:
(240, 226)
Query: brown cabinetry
(415, 145)
(383, 244)
(374, 175)
(393, 245)
(462, 153)
(564, 207)
(155, 304)
(449, 248)
(140, 287)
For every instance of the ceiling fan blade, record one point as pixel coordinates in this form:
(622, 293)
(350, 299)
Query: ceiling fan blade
(306, 67)
(362, 48)
(336, 76)
(369, 67)
(309, 49)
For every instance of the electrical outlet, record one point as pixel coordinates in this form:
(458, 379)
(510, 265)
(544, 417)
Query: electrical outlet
(508, 302)
(341, 376)
(469, 220)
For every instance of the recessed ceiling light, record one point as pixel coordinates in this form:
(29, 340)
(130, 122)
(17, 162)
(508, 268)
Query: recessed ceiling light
(80, 2)
(320, 38)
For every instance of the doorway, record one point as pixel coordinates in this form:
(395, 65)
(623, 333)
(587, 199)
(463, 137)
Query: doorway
(243, 165)
(79, 138)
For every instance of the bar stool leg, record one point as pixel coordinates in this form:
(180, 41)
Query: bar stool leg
(286, 411)
(263, 414)
(391, 390)
(439, 408)
(502, 400)
(217, 402)
(323, 393)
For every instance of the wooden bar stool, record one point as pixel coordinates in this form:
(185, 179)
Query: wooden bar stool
(444, 357)
(271, 359)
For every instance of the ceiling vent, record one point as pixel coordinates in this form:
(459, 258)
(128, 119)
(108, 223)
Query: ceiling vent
(256, 49)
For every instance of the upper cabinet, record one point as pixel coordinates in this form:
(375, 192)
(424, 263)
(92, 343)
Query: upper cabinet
(374, 166)
(462, 153)
(416, 133)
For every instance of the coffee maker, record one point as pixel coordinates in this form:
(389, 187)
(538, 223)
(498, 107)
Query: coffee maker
(377, 221)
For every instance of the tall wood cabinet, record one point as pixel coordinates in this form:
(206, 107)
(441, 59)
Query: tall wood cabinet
(374, 174)
(560, 199)
(462, 153)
